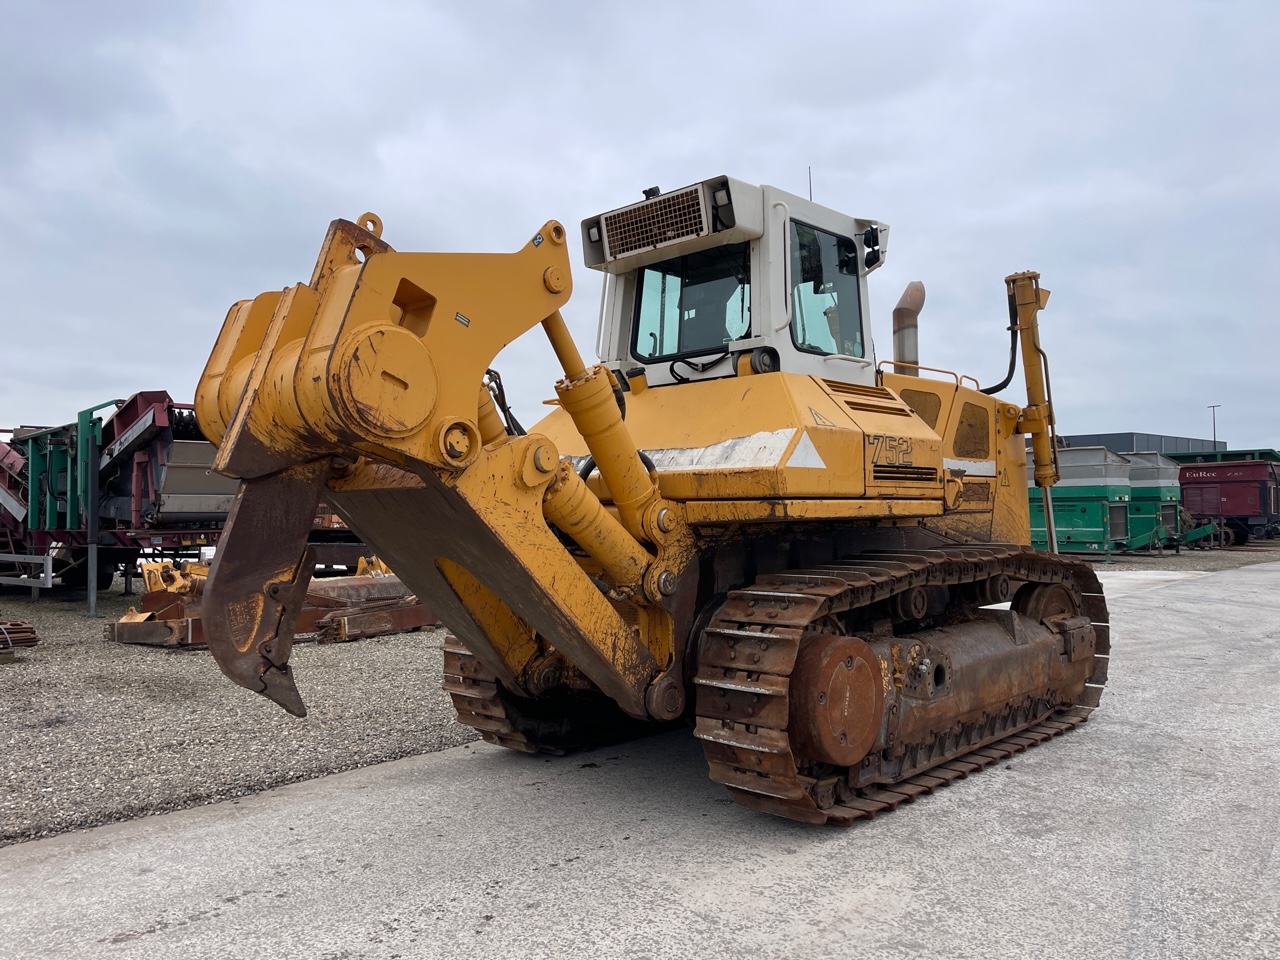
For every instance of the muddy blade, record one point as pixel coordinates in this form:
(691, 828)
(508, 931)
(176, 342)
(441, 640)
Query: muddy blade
(258, 582)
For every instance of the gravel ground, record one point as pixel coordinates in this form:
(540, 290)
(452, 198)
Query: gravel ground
(93, 731)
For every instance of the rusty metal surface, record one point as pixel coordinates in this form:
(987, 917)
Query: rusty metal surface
(835, 712)
(259, 579)
(178, 632)
(358, 607)
(314, 624)
(400, 617)
(962, 686)
(342, 591)
(16, 633)
(164, 605)
(517, 724)
(184, 578)
(341, 242)
(1005, 683)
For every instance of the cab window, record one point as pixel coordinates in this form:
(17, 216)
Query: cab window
(826, 317)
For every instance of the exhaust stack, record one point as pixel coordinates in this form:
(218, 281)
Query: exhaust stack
(906, 316)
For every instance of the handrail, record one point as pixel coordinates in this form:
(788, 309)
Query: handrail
(958, 377)
(849, 358)
(786, 261)
(45, 579)
(600, 325)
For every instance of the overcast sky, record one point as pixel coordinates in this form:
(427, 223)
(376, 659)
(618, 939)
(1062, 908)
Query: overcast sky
(159, 161)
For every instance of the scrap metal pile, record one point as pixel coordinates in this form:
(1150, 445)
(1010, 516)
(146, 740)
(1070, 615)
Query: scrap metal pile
(130, 478)
(126, 476)
(14, 634)
(337, 609)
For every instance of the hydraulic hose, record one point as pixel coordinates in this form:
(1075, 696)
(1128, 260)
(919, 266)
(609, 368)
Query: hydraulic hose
(1013, 351)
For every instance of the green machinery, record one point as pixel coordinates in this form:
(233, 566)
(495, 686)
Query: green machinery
(1090, 502)
(1107, 502)
(1155, 500)
(60, 475)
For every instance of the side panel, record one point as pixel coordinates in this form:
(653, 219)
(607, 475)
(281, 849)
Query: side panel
(1241, 498)
(1084, 518)
(775, 435)
(981, 446)
(1153, 512)
(1203, 499)
(1238, 489)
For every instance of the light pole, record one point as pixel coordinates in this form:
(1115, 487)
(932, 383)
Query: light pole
(1213, 411)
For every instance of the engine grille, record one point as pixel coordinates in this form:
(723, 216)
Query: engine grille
(857, 396)
(904, 474)
(666, 219)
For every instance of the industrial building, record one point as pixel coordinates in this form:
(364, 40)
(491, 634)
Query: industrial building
(1151, 442)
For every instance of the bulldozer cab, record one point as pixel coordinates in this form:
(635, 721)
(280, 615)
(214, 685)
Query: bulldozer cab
(724, 278)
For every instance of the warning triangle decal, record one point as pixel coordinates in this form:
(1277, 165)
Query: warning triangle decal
(819, 418)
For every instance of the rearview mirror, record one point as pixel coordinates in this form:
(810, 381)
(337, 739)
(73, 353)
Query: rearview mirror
(871, 241)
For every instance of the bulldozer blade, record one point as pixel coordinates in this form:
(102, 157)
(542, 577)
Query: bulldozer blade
(258, 583)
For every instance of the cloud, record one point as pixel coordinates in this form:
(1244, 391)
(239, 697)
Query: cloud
(161, 161)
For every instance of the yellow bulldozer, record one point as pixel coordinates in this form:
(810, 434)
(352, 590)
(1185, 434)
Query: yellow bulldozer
(738, 519)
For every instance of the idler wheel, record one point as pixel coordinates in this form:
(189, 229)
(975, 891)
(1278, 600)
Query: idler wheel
(1036, 601)
(837, 696)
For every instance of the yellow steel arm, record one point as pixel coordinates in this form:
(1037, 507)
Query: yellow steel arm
(374, 365)
(1028, 298)
(354, 358)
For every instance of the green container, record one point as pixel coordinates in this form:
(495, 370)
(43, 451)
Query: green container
(1155, 495)
(1090, 502)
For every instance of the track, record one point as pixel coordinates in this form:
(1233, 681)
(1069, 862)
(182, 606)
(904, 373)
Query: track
(751, 646)
(866, 803)
(556, 723)
(749, 650)
(480, 704)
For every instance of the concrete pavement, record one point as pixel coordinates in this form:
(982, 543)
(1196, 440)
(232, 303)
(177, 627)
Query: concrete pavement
(1150, 832)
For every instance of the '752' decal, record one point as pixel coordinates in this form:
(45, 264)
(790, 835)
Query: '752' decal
(891, 451)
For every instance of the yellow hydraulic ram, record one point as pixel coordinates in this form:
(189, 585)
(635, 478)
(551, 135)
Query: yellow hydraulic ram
(363, 384)
(1026, 299)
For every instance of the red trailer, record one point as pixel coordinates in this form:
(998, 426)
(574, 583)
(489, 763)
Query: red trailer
(1243, 494)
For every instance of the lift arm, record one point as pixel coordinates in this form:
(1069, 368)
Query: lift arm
(365, 385)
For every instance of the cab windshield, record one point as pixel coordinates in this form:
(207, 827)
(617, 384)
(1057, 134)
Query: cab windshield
(693, 305)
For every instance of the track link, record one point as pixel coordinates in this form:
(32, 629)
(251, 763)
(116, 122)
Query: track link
(558, 722)
(749, 648)
(865, 803)
(479, 702)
